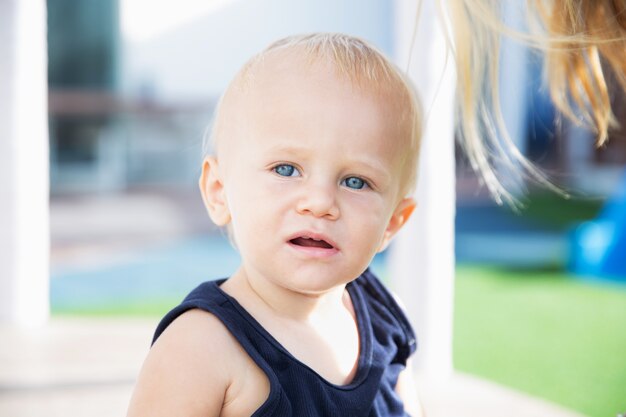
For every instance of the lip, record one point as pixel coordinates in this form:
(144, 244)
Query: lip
(312, 251)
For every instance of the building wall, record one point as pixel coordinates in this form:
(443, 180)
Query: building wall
(83, 57)
(83, 42)
(196, 60)
(168, 84)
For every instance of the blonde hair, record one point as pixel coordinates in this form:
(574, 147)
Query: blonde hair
(581, 40)
(353, 58)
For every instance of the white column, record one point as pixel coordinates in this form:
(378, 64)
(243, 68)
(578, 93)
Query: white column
(421, 260)
(24, 225)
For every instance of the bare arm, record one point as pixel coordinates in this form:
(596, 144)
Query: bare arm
(406, 387)
(407, 391)
(186, 372)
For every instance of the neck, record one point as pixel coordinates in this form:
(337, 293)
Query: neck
(285, 302)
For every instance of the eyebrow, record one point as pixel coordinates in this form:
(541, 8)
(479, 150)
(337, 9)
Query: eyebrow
(291, 149)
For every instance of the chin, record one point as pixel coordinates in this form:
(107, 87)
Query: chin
(318, 280)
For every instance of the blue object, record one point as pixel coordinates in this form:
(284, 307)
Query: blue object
(598, 247)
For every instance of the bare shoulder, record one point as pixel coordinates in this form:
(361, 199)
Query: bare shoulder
(397, 299)
(188, 369)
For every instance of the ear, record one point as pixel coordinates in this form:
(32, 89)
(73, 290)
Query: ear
(401, 214)
(212, 190)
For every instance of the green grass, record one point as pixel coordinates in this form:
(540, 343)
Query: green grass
(137, 308)
(545, 334)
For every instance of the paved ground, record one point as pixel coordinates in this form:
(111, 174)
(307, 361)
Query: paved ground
(78, 367)
(87, 368)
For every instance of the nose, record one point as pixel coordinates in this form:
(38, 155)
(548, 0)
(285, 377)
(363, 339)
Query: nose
(319, 200)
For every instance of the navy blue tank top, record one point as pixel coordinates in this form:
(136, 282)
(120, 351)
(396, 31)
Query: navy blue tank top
(386, 342)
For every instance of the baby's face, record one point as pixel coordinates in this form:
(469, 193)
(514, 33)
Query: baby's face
(310, 176)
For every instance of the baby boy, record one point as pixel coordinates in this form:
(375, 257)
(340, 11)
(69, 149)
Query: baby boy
(316, 144)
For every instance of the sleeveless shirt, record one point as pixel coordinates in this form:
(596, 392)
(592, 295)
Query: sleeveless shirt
(386, 341)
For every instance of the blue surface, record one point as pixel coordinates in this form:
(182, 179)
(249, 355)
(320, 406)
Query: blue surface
(598, 247)
(164, 273)
(486, 233)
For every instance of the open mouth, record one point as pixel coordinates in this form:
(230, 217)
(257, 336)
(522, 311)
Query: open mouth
(309, 242)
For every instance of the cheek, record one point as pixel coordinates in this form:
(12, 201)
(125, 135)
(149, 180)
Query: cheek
(256, 206)
(369, 217)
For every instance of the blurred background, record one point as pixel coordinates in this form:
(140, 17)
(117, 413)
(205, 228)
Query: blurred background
(540, 293)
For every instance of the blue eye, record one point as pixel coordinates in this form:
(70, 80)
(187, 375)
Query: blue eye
(286, 170)
(355, 183)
